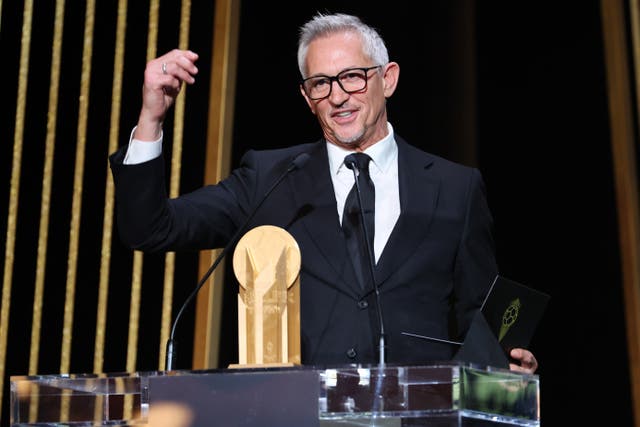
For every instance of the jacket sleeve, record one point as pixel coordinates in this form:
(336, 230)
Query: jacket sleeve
(475, 267)
(206, 218)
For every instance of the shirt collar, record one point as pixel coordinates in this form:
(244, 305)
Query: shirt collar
(382, 153)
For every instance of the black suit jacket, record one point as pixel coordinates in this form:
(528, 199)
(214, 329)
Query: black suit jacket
(432, 275)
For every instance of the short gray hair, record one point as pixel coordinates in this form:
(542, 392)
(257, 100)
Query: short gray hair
(322, 25)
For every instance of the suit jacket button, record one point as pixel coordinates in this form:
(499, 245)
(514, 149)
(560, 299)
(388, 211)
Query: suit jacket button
(362, 304)
(351, 353)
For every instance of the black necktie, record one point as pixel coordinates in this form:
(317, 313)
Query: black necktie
(356, 242)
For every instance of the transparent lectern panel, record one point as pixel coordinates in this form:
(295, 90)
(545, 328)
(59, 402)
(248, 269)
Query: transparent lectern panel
(500, 395)
(77, 400)
(450, 394)
(443, 395)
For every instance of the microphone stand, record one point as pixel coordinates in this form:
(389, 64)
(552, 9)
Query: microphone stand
(381, 349)
(378, 401)
(297, 163)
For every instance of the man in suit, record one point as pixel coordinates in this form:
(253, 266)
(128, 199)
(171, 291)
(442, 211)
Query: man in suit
(432, 250)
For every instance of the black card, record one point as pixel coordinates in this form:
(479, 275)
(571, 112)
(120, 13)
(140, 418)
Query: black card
(513, 311)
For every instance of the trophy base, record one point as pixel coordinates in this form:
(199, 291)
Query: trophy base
(260, 365)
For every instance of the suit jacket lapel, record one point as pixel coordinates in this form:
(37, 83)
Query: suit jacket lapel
(418, 196)
(313, 192)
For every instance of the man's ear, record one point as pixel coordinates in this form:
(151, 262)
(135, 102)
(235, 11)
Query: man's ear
(390, 76)
(311, 104)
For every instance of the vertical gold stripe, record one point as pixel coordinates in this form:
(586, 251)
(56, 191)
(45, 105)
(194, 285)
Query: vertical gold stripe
(217, 165)
(630, 230)
(185, 24)
(178, 126)
(47, 174)
(176, 158)
(76, 205)
(167, 301)
(107, 225)
(134, 312)
(12, 214)
(151, 53)
(127, 404)
(623, 124)
(138, 258)
(629, 220)
(152, 36)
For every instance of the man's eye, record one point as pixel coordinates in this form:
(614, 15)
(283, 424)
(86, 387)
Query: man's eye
(320, 83)
(352, 75)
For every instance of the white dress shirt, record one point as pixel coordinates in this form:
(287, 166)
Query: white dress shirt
(383, 170)
(142, 151)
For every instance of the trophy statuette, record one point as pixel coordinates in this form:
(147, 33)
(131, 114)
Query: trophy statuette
(266, 263)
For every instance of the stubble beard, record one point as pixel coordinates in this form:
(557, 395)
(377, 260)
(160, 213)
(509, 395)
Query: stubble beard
(350, 141)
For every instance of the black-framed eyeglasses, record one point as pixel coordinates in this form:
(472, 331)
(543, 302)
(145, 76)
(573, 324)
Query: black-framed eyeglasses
(351, 80)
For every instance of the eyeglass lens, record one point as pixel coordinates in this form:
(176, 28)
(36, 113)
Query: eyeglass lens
(350, 81)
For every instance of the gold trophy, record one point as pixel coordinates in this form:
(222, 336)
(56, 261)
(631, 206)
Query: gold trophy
(266, 263)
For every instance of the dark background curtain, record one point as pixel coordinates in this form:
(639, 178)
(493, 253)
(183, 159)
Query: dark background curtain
(535, 115)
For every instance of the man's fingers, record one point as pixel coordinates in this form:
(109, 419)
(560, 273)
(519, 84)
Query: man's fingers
(527, 361)
(177, 64)
(163, 79)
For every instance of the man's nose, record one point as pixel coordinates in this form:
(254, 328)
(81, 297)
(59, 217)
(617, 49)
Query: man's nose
(337, 94)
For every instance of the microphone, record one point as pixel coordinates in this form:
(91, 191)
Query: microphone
(351, 164)
(297, 163)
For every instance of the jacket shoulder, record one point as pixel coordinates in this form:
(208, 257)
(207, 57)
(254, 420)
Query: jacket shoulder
(441, 164)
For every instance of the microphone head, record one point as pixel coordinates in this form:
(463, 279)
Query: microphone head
(350, 162)
(300, 160)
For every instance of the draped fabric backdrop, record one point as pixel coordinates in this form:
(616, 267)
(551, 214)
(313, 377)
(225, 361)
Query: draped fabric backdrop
(542, 98)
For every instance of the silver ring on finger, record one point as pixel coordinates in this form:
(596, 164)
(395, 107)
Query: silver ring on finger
(164, 68)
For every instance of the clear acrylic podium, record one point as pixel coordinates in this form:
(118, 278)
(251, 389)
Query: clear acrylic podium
(435, 395)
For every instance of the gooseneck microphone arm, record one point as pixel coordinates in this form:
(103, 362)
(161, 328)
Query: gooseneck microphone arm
(351, 164)
(298, 162)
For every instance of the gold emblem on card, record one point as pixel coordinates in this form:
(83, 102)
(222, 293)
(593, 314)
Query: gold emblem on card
(509, 317)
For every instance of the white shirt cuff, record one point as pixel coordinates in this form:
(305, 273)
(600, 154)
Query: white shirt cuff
(142, 151)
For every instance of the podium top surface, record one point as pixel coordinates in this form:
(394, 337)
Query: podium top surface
(347, 392)
(449, 366)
